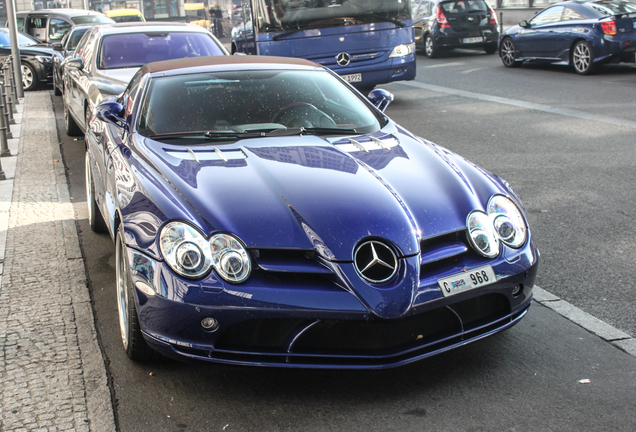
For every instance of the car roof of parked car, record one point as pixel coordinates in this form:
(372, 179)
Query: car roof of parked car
(195, 62)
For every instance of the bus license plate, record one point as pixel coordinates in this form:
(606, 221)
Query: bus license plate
(467, 281)
(352, 77)
(473, 40)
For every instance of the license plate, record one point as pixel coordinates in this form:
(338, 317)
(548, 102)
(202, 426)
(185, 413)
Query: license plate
(467, 281)
(352, 77)
(473, 40)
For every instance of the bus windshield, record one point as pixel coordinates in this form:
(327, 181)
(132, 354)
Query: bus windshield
(293, 15)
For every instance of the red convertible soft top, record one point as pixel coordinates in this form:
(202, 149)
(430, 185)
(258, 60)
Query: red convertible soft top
(190, 62)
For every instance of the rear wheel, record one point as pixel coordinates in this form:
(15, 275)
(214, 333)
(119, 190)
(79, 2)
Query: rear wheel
(508, 53)
(582, 58)
(430, 47)
(134, 344)
(72, 129)
(490, 48)
(95, 218)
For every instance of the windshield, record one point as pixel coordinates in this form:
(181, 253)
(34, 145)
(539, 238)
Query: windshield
(613, 7)
(75, 38)
(284, 15)
(239, 102)
(137, 49)
(23, 40)
(452, 7)
(87, 19)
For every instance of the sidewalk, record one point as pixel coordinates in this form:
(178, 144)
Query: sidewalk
(52, 374)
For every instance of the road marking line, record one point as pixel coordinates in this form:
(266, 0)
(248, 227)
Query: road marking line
(438, 65)
(589, 322)
(522, 104)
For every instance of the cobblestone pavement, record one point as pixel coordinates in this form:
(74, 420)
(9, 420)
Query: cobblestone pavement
(52, 374)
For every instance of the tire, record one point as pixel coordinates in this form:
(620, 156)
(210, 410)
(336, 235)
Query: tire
(583, 58)
(95, 218)
(507, 52)
(490, 48)
(72, 129)
(430, 47)
(29, 77)
(134, 344)
(56, 89)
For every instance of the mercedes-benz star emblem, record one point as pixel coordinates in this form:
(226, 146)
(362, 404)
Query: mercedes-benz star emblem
(343, 59)
(375, 261)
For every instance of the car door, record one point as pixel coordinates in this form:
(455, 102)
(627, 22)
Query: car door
(539, 38)
(568, 29)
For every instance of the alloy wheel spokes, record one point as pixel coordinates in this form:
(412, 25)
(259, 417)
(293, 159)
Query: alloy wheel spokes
(581, 57)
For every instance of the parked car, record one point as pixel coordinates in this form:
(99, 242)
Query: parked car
(441, 25)
(64, 50)
(125, 15)
(109, 55)
(583, 35)
(36, 58)
(266, 213)
(50, 25)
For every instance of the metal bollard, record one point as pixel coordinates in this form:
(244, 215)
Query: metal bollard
(4, 134)
(11, 99)
(14, 91)
(7, 87)
(8, 111)
(3, 111)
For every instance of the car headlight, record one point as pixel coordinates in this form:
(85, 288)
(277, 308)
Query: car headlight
(44, 59)
(185, 250)
(229, 258)
(507, 221)
(190, 254)
(503, 222)
(481, 234)
(402, 50)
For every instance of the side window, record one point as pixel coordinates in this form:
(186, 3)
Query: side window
(80, 46)
(87, 52)
(571, 14)
(549, 15)
(20, 22)
(58, 28)
(130, 94)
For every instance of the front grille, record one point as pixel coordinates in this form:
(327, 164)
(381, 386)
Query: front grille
(358, 337)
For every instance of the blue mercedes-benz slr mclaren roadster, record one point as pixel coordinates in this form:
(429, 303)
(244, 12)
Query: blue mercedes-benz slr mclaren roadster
(266, 213)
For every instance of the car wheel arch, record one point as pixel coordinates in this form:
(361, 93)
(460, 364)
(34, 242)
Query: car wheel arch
(573, 44)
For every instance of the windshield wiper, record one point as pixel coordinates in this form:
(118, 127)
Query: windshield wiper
(387, 19)
(311, 131)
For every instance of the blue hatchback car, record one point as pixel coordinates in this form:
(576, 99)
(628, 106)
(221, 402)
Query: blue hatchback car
(266, 213)
(583, 35)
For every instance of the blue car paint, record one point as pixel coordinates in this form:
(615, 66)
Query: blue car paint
(553, 42)
(327, 208)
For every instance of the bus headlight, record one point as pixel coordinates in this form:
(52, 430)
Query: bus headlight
(402, 50)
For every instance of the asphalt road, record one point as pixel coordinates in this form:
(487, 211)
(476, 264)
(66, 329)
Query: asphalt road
(576, 178)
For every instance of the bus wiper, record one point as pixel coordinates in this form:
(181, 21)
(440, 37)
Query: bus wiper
(288, 32)
(387, 19)
(310, 131)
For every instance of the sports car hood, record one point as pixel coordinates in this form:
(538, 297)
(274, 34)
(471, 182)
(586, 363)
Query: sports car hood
(311, 193)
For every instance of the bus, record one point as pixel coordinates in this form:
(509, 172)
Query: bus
(366, 42)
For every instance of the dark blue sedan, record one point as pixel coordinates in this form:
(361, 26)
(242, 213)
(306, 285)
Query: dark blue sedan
(266, 213)
(581, 34)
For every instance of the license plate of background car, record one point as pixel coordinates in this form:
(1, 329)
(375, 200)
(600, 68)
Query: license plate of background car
(473, 40)
(467, 281)
(352, 78)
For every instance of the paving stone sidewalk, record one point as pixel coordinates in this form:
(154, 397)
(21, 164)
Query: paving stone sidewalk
(52, 374)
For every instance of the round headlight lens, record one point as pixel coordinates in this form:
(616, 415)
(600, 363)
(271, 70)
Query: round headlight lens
(185, 250)
(482, 235)
(507, 221)
(230, 259)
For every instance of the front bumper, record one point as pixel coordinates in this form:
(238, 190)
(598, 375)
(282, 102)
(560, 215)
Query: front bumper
(316, 326)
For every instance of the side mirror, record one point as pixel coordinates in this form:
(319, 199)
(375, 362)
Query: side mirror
(524, 24)
(75, 63)
(57, 46)
(380, 98)
(111, 112)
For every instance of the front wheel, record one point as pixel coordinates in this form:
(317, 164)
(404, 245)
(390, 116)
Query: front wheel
(508, 53)
(134, 344)
(29, 78)
(582, 58)
(430, 47)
